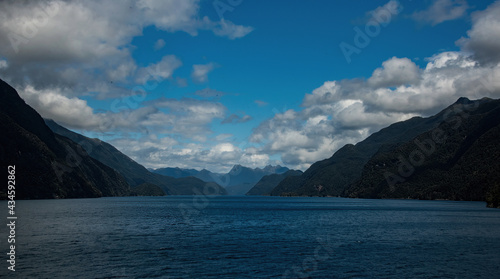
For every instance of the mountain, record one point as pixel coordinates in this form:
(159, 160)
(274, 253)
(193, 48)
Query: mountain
(134, 173)
(241, 179)
(237, 181)
(451, 155)
(267, 183)
(458, 160)
(48, 165)
(330, 177)
(147, 189)
(177, 172)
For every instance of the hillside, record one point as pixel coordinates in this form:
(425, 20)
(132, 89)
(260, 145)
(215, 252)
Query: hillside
(458, 160)
(48, 165)
(330, 177)
(267, 183)
(453, 155)
(134, 173)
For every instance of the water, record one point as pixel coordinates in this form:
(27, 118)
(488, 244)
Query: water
(254, 237)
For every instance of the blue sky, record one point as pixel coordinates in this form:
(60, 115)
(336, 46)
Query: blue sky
(209, 84)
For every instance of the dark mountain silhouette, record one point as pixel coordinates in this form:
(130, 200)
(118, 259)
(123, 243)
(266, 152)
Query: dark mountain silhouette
(48, 165)
(147, 189)
(330, 177)
(134, 173)
(267, 183)
(458, 160)
(177, 172)
(464, 166)
(237, 181)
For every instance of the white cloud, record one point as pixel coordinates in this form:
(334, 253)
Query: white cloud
(226, 28)
(64, 110)
(441, 11)
(159, 71)
(347, 111)
(200, 72)
(484, 39)
(185, 119)
(327, 93)
(95, 35)
(188, 117)
(395, 72)
(153, 152)
(449, 59)
(383, 14)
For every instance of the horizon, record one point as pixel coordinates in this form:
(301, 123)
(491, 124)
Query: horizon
(209, 85)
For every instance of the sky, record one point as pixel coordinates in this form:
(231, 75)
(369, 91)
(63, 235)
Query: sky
(210, 84)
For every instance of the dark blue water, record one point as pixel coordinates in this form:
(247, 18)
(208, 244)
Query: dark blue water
(254, 237)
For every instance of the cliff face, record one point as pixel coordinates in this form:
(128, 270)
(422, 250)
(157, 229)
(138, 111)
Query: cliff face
(48, 165)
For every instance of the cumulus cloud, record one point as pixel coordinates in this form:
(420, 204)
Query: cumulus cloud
(154, 152)
(96, 35)
(395, 72)
(187, 117)
(441, 11)
(64, 110)
(483, 39)
(347, 111)
(200, 72)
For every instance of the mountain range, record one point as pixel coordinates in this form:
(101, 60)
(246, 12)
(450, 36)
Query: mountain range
(54, 162)
(267, 183)
(134, 173)
(454, 155)
(238, 181)
(48, 165)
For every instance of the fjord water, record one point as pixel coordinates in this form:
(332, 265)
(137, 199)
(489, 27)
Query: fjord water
(254, 237)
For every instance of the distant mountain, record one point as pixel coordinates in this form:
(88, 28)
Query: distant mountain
(134, 173)
(458, 160)
(177, 172)
(267, 183)
(237, 181)
(48, 165)
(465, 166)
